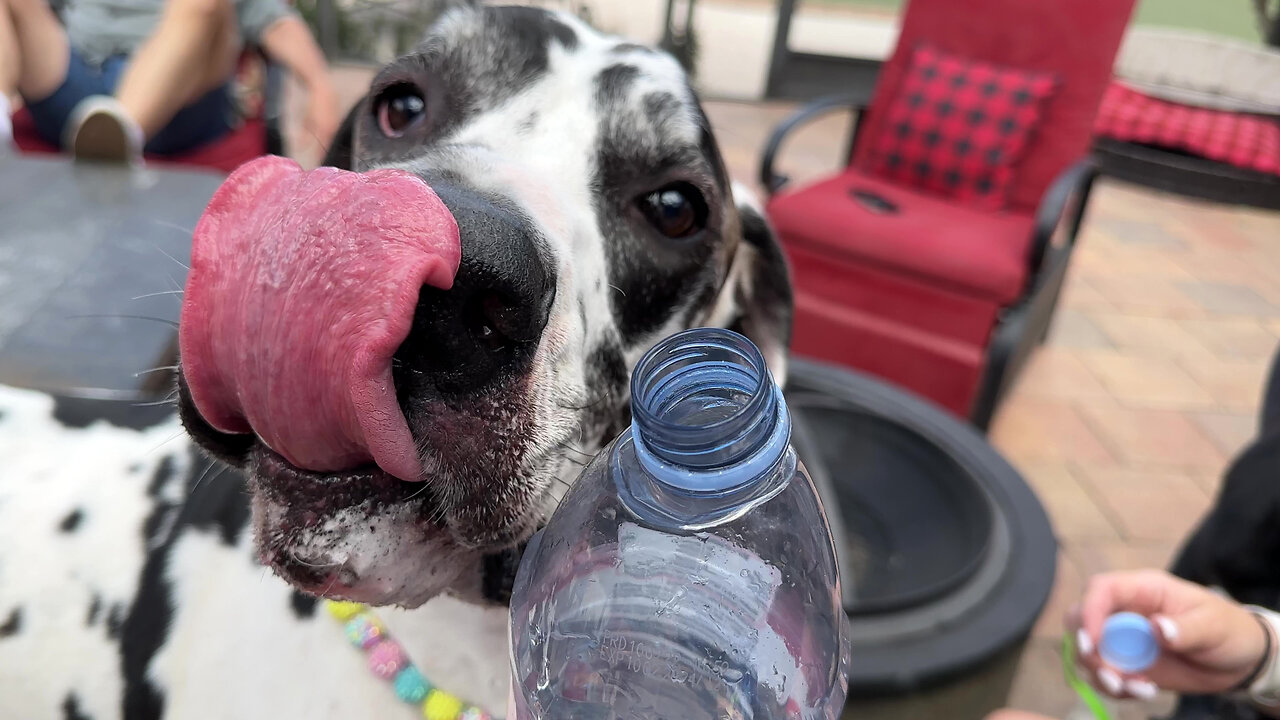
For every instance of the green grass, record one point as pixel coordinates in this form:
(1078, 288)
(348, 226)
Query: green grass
(1233, 18)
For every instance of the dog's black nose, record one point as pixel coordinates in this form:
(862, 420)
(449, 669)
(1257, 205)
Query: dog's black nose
(487, 326)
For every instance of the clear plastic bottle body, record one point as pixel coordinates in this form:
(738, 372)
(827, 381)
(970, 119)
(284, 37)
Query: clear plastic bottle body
(664, 597)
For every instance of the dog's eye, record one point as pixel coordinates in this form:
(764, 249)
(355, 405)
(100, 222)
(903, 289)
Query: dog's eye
(399, 107)
(677, 210)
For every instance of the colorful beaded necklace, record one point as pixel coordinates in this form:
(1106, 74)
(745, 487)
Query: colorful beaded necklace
(388, 661)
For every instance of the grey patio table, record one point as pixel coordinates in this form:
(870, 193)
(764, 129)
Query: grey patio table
(92, 259)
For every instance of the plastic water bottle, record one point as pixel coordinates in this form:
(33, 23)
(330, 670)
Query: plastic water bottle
(689, 574)
(1128, 644)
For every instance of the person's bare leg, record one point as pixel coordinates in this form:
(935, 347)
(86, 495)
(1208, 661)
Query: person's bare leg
(10, 57)
(192, 51)
(35, 62)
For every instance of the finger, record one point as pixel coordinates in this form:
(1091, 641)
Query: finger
(1167, 628)
(1007, 714)
(1109, 682)
(1196, 629)
(1084, 643)
(1140, 688)
(1142, 592)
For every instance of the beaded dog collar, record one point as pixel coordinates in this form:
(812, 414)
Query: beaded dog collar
(388, 661)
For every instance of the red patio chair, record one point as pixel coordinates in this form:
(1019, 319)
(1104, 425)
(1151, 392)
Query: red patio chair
(930, 259)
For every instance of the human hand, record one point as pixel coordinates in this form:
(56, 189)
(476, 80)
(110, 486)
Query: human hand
(1209, 644)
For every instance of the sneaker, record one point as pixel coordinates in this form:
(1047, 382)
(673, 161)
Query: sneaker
(101, 131)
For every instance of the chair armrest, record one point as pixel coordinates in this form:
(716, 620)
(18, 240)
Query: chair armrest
(1076, 181)
(774, 182)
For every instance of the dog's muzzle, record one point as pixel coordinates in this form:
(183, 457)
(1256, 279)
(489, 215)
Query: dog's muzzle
(306, 288)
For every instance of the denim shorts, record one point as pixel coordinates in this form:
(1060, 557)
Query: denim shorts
(203, 121)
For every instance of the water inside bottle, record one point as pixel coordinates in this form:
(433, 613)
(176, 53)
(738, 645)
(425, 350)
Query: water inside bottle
(667, 627)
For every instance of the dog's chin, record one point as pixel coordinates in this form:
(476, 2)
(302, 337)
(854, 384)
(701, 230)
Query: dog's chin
(359, 535)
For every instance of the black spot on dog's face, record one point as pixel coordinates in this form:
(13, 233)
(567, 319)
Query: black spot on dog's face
(162, 475)
(115, 621)
(95, 609)
(528, 124)
(12, 624)
(71, 709)
(654, 149)
(473, 61)
(609, 376)
(302, 604)
(614, 82)
(71, 522)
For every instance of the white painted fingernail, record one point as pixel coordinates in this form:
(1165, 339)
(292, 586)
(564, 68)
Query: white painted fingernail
(1141, 689)
(1168, 628)
(1110, 681)
(1084, 645)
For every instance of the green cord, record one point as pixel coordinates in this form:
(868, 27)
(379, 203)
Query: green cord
(1082, 688)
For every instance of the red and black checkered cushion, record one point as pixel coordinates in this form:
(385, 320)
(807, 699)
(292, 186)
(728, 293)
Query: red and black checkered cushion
(1248, 141)
(958, 127)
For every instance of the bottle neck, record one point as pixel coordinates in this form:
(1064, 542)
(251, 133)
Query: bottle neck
(710, 427)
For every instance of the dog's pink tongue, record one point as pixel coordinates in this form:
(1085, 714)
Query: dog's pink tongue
(302, 286)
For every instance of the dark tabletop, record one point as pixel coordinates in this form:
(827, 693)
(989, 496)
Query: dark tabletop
(86, 253)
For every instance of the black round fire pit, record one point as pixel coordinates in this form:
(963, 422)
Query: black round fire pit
(947, 556)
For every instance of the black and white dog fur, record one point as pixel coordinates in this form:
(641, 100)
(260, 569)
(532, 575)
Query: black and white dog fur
(139, 579)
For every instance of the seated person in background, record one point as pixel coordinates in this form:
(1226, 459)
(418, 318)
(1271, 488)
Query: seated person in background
(1210, 644)
(122, 75)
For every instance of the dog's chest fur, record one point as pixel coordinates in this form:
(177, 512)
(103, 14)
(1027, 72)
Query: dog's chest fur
(117, 599)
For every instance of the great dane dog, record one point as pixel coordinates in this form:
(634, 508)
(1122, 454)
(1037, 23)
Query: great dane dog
(145, 576)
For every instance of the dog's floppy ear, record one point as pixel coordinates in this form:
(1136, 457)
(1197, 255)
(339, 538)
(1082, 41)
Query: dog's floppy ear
(757, 299)
(341, 147)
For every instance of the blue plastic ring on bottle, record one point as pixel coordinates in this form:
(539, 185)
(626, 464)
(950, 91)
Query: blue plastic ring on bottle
(721, 479)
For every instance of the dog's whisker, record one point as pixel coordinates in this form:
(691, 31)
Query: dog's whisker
(333, 581)
(604, 396)
(176, 260)
(620, 290)
(162, 321)
(205, 474)
(416, 494)
(174, 282)
(172, 399)
(324, 146)
(173, 226)
(318, 566)
(156, 294)
(566, 445)
(171, 438)
(162, 368)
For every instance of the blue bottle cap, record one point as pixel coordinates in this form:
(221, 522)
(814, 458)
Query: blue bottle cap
(1129, 642)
